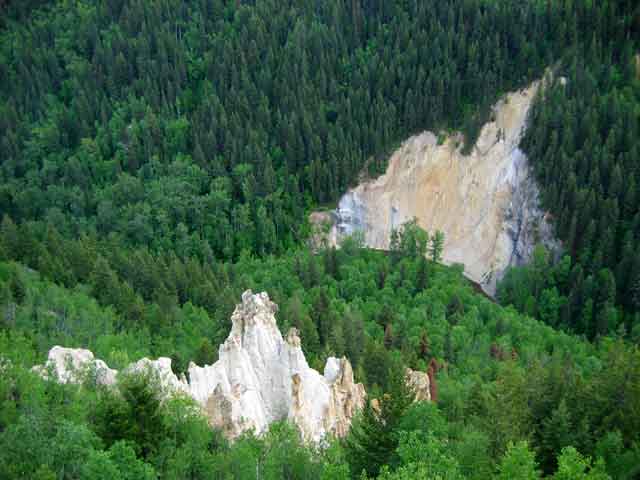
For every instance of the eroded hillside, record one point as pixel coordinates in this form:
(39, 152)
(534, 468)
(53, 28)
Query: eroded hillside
(486, 203)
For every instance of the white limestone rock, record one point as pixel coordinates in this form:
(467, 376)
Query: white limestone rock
(331, 369)
(259, 378)
(73, 365)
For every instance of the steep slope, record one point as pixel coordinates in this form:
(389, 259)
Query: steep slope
(486, 203)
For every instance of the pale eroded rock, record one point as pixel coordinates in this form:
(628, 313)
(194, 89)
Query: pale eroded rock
(73, 365)
(486, 203)
(419, 384)
(259, 378)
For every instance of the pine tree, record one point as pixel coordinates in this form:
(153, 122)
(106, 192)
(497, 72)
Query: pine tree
(635, 293)
(17, 288)
(354, 336)
(425, 346)
(572, 465)
(10, 238)
(322, 315)
(449, 351)
(519, 462)
(373, 439)
(388, 336)
(557, 433)
(437, 245)
(421, 276)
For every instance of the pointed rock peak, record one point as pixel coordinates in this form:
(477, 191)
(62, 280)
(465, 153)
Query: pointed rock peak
(255, 309)
(259, 378)
(339, 371)
(332, 369)
(347, 372)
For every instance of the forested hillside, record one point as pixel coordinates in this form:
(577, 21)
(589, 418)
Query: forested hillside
(584, 143)
(159, 157)
(502, 379)
(219, 122)
(208, 128)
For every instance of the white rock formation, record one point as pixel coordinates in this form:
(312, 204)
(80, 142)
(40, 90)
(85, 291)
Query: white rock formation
(160, 370)
(259, 378)
(486, 203)
(74, 365)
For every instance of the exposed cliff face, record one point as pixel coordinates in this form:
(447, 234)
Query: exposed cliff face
(486, 203)
(259, 378)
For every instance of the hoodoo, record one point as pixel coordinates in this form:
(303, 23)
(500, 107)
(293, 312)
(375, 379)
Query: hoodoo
(259, 378)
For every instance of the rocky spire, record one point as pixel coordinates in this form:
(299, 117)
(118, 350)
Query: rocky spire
(259, 378)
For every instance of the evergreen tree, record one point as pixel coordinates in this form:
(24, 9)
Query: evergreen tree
(437, 245)
(519, 462)
(572, 465)
(373, 439)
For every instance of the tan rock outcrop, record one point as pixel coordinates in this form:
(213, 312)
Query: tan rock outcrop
(419, 384)
(485, 203)
(347, 397)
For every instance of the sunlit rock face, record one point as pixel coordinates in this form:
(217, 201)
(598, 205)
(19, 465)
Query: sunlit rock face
(486, 203)
(259, 378)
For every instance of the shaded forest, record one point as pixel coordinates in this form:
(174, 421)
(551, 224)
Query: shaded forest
(210, 128)
(218, 124)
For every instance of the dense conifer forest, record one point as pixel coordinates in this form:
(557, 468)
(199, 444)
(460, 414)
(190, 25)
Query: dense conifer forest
(160, 157)
(584, 141)
(512, 393)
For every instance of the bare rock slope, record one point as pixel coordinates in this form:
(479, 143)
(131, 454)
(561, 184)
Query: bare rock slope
(486, 203)
(260, 378)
